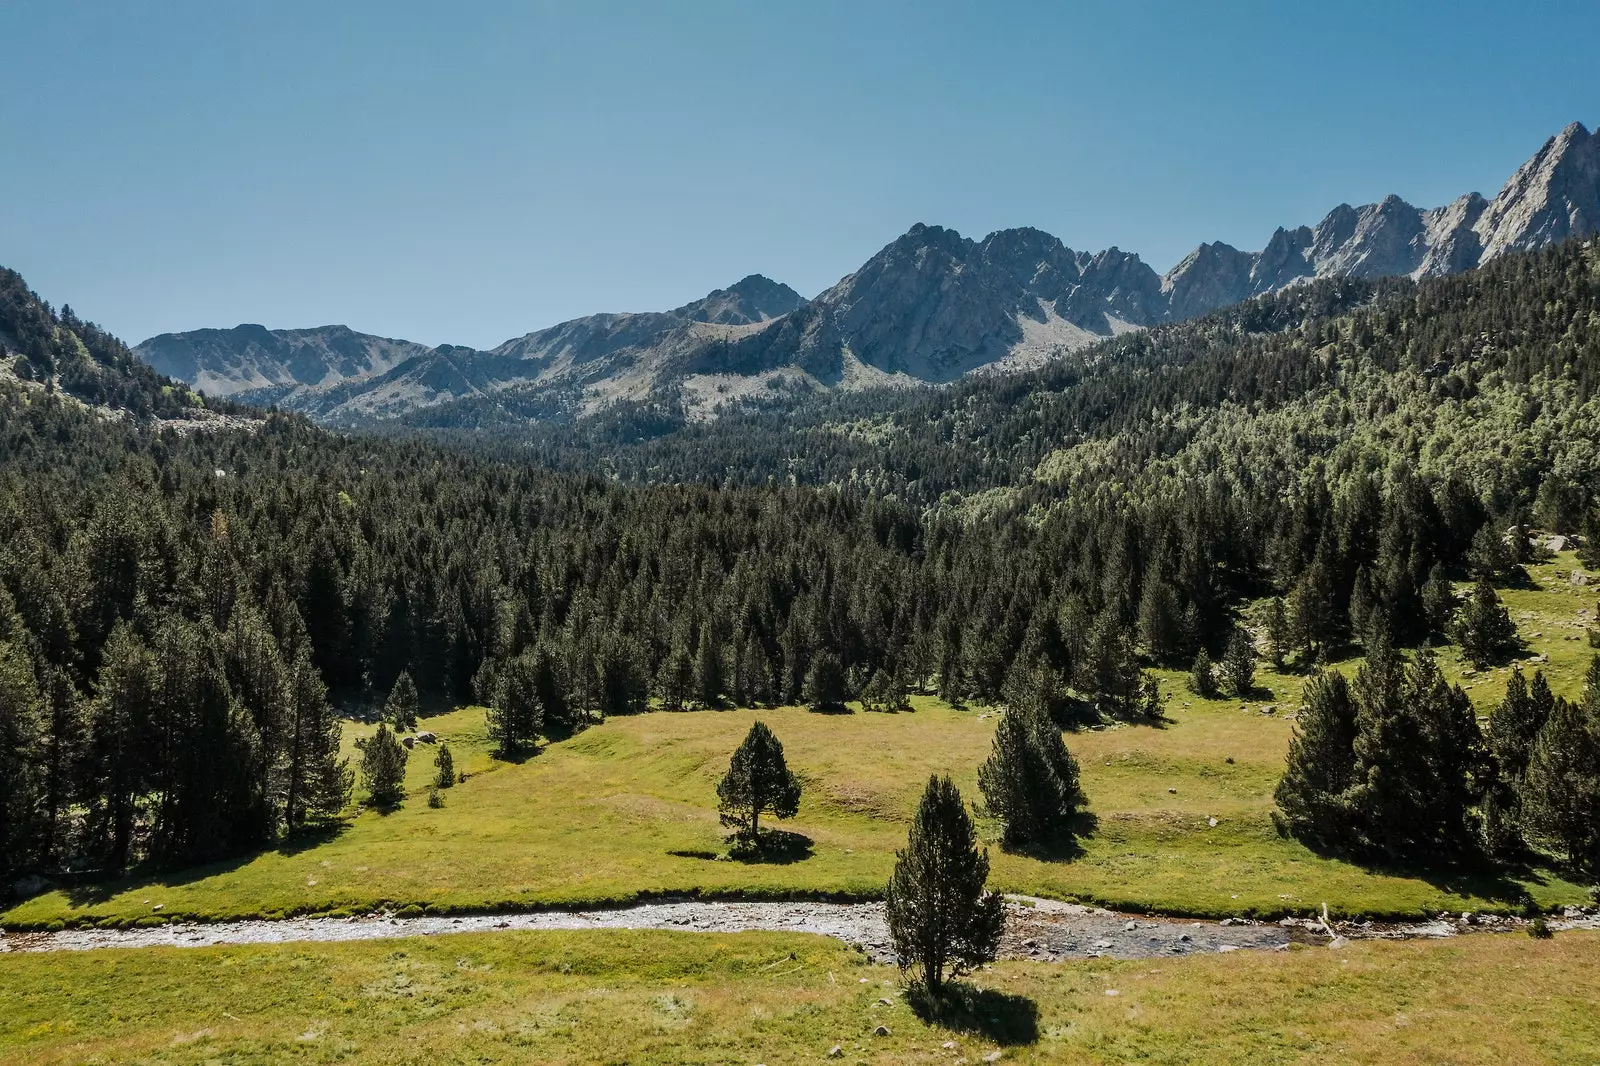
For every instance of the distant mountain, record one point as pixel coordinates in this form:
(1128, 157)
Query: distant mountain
(225, 361)
(930, 307)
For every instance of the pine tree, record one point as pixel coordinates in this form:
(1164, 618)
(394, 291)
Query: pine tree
(1490, 558)
(320, 780)
(1438, 600)
(1203, 676)
(1561, 793)
(885, 693)
(401, 708)
(1160, 620)
(675, 679)
(383, 767)
(22, 728)
(209, 801)
(1030, 781)
(1516, 723)
(446, 766)
(1239, 664)
(758, 779)
(1485, 630)
(709, 675)
(940, 917)
(754, 673)
(516, 714)
(1040, 686)
(1419, 758)
(826, 686)
(1312, 806)
(1589, 548)
(1277, 633)
(120, 716)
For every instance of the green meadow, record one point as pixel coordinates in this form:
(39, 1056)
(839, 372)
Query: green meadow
(678, 998)
(627, 810)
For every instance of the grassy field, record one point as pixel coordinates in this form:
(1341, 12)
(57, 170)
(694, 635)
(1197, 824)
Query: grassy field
(628, 809)
(655, 997)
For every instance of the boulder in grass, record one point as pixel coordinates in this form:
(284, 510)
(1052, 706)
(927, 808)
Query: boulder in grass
(409, 742)
(427, 738)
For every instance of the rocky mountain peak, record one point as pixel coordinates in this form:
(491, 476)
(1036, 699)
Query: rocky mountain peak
(1553, 196)
(753, 298)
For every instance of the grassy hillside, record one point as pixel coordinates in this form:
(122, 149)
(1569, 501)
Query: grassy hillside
(628, 809)
(656, 997)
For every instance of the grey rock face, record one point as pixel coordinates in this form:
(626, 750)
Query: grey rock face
(1553, 196)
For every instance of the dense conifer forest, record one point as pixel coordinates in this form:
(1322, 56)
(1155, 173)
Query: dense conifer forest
(187, 609)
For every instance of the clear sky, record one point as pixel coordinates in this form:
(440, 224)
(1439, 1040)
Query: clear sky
(468, 171)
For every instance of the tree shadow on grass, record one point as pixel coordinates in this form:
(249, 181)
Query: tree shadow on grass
(1002, 1017)
(1466, 877)
(87, 892)
(774, 846)
(1065, 847)
(313, 836)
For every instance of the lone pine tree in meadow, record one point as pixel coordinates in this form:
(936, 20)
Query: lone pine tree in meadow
(1239, 664)
(757, 780)
(941, 918)
(445, 765)
(383, 767)
(1203, 675)
(1030, 781)
(400, 709)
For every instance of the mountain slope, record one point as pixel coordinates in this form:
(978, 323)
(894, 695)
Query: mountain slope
(931, 306)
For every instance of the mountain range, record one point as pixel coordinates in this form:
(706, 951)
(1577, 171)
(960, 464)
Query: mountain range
(932, 306)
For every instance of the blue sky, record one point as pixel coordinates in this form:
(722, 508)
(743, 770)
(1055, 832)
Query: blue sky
(468, 171)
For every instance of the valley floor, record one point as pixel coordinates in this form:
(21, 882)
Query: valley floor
(660, 997)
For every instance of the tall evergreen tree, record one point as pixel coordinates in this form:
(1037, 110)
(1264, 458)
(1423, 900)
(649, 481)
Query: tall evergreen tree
(941, 918)
(1239, 664)
(22, 728)
(121, 717)
(444, 767)
(516, 714)
(1561, 793)
(1312, 800)
(709, 675)
(1419, 759)
(826, 686)
(1485, 630)
(1030, 781)
(383, 767)
(758, 780)
(402, 707)
(1203, 675)
(1439, 600)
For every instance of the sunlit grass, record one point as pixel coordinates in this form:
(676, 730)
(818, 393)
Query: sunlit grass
(657, 997)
